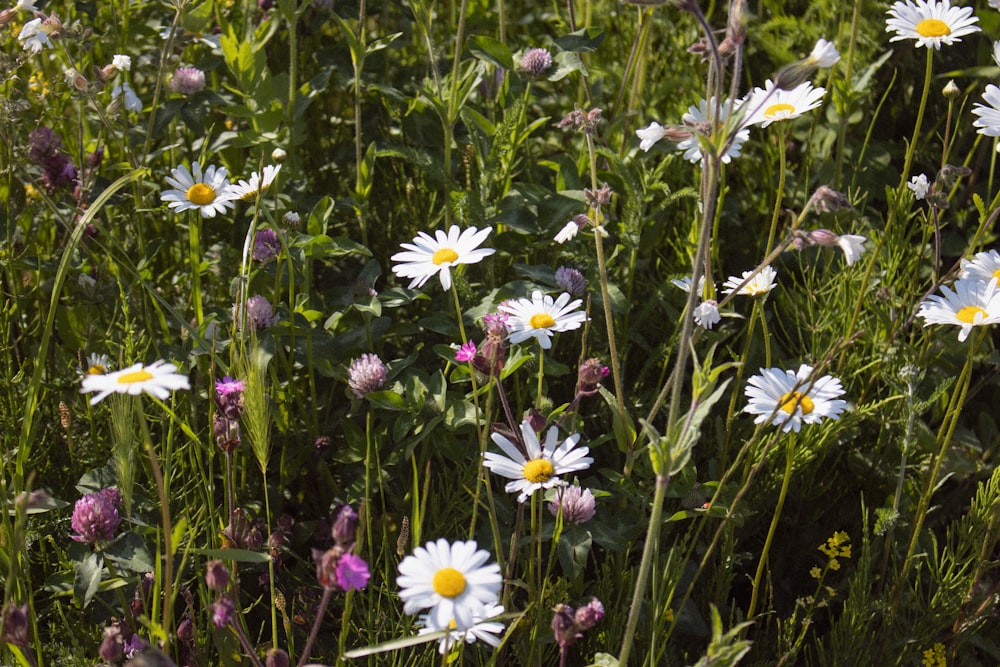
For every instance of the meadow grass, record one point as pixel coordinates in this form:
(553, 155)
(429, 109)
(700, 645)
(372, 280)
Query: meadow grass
(496, 332)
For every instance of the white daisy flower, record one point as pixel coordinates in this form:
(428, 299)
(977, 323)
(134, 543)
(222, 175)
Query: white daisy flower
(762, 283)
(130, 100)
(482, 629)
(919, 185)
(208, 192)
(824, 54)
(983, 266)
(930, 22)
(972, 303)
(706, 315)
(96, 364)
(685, 283)
(697, 117)
(790, 399)
(650, 134)
(543, 465)
(34, 37)
(258, 182)
(157, 379)
(989, 116)
(853, 246)
(427, 256)
(540, 316)
(452, 581)
(770, 104)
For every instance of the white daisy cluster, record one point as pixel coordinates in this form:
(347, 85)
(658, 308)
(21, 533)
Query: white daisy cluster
(537, 466)
(540, 316)
(930, 22)
(436, 255)
(972, 301)
(791, 398)
(157, 379)
(209, 191)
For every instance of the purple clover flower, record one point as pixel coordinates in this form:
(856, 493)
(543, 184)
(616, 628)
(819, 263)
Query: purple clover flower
(366, 374)
(95, 518)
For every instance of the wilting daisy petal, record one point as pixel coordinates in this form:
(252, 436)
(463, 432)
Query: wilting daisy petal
(930, 22)
(824, 54)
(482, 629)
(428, 256)
(762, 283)
(698, 116)
(989, 116)
(540, 316)
(34, 36)
(209, 192)
(790, 399)
(853, 246)
(543, 465)
(157, 379)
(972, 303)
(452, 581)
(770, 104)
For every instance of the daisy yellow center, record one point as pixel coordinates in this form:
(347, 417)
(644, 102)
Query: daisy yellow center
(933, 28)
(136, 376)
(996, 274)
(779, 109)
(541, 321)
(444, 255)
(968, 314)
(794, 398)
(538, 471)
(448, 582)
(96, 369)
(201, 194)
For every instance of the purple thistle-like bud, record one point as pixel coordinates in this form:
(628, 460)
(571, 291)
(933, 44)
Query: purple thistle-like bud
(111, 649)
(366, 374)
(15, 624)
(185, 630)
(352, 572)
(266, 246)
(260, 313)
(536, 62)
(589, 615)
(216, 575)
(276, 658)
(345, 526)
(222, 612)
(187, 81)
(578, 505)
(95, 518)
(326, 566)
(564, 626)
(496, 324)
(46, 151)
(570, 280)
(589, 377)
(229, 397)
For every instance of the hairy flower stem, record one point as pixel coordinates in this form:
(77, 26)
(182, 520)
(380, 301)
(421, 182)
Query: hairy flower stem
(944, 435)
(773, 528)
(314, 632)
(780, 190)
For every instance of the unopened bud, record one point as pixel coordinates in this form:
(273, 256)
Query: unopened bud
(951, 90)
(216, 575)
(279, 155)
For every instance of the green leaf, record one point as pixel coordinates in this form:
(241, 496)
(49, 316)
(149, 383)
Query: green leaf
(319, 216)
(491, 50)
(86, 578)
(388, 399)
(583, 40)
(130, 553)
(566, 62)
(238, 555)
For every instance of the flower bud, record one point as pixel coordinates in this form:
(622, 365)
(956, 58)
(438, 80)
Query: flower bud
(216, 575)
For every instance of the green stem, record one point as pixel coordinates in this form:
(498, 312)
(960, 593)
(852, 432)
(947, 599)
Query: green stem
(762, 563)
(194, 238)
(780, 194)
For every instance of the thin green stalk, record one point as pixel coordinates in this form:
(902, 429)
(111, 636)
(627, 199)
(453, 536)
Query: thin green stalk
(541, 373)
(773, 528)
(194, 239)
(780, 193)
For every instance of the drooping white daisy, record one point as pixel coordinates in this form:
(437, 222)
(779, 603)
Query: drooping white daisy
(34, 36)
(824, 54)
(482, 629)
(770, 104)
(452, 581)
(208, 193)
(762, 283)
(258, 182)
(968, 303)
(540, 316)
(919, 185)
(853, 246)
(543, 465)
(706, 315)
(697, 117)
(650, 134)
(157, 379)
(989, 116)
(790, 399)
(983, 266)
(428, 256)
(930, 22)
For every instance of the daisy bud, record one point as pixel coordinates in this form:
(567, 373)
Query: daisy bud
(216, 575)
(366, 374)
(536, 62)
(951, 91)
(279, 155)
(291, 220)
(570, 280)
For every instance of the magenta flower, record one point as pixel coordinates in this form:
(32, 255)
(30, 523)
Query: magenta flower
(95, 518)
(466, 352)
(352, 572)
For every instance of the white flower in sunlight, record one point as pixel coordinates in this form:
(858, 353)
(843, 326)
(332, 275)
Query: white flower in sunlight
(930, 22)
(130, 100)
(706, 315)
(685, 283)
(452, 581)
(989, 116)
(428, 255)
(121, 63)
(853, 246)
(824, 54)
(96, 364)
(26, 6)
(482, 629)
(569, 231)
(919, 185)
(540, 466)
(972, 303)
(791, 398)
(762, 283)
(157, 379)
(208, 193)
(34, 37)
(258, 182)
(540, 316)
(650, 135)
(983, 266)
(697, 117)
(770, 104)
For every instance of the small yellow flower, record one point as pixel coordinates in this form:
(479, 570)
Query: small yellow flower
(935, 657)
(834, 564)
(815, 573)
(837, 545)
